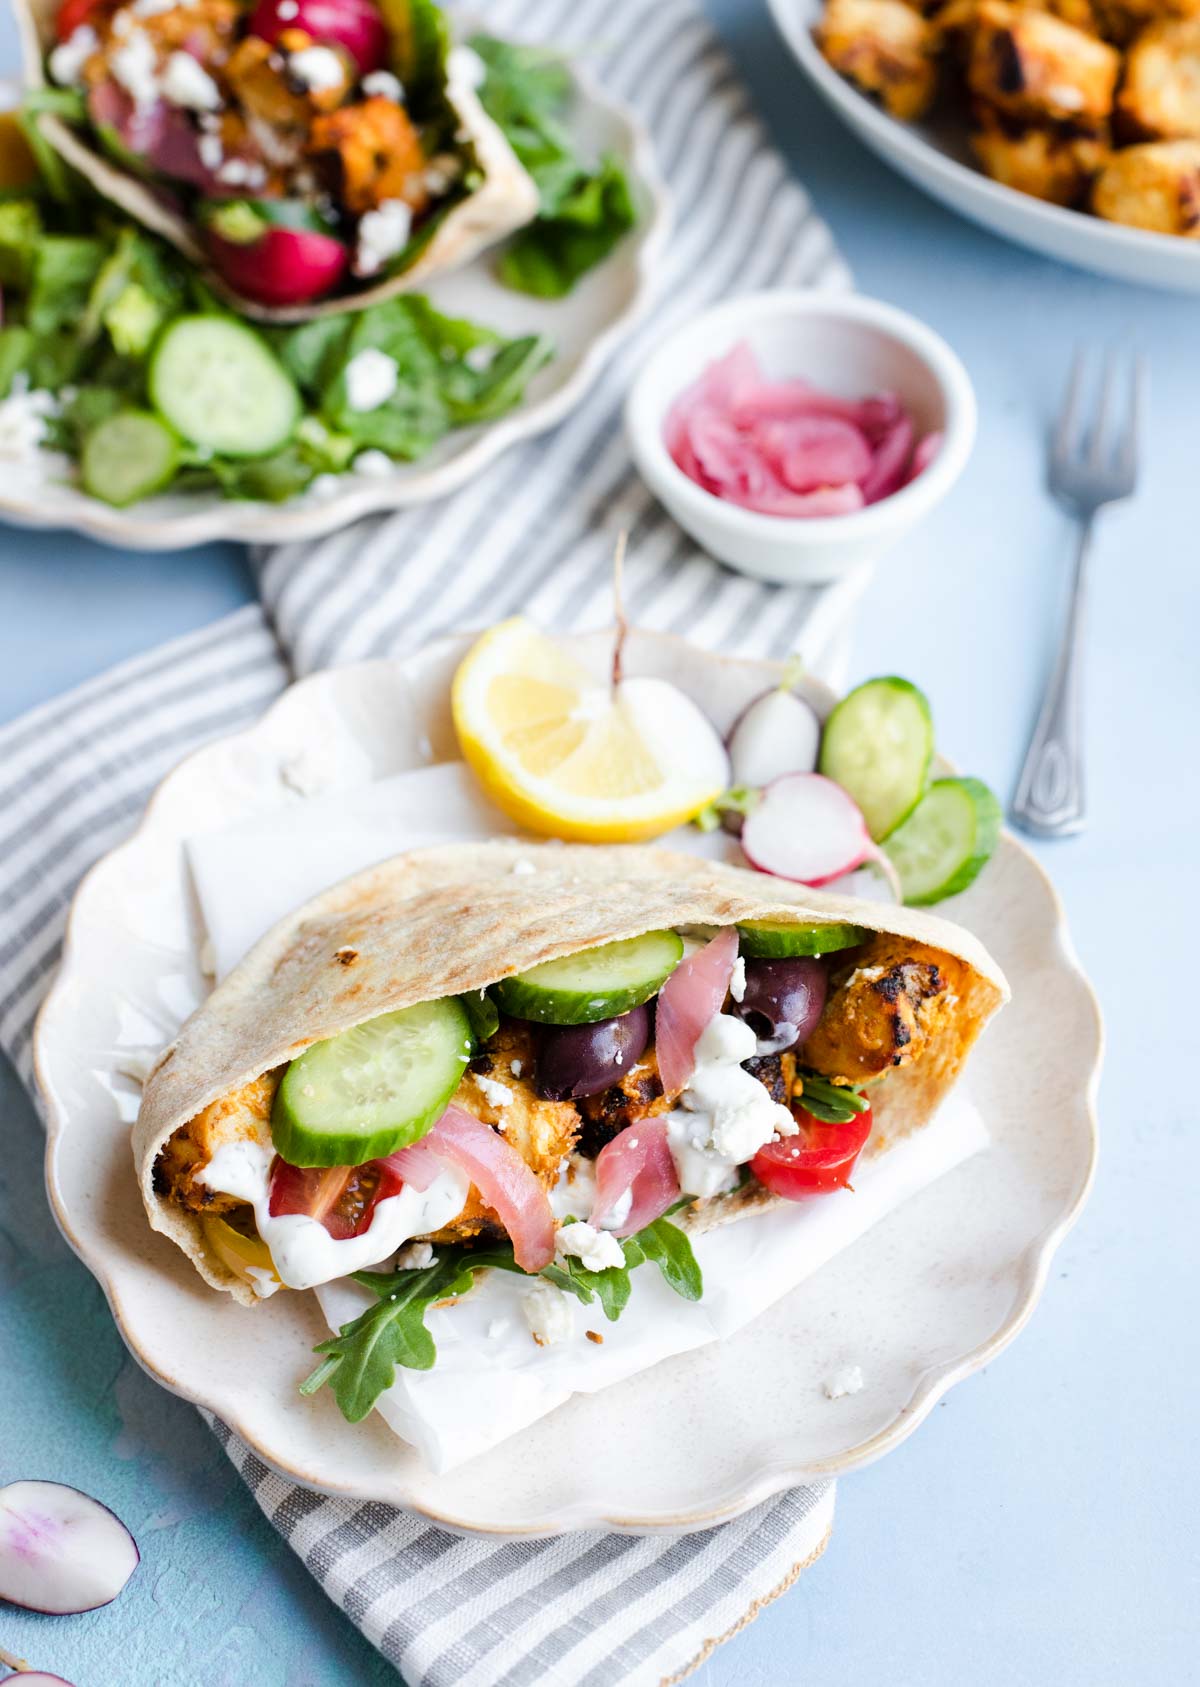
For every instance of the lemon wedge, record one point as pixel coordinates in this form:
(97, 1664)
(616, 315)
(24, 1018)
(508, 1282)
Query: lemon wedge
(568, 755)
(242, 1254)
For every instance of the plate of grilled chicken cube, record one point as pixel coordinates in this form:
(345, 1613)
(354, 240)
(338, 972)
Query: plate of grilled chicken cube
(1070, 126)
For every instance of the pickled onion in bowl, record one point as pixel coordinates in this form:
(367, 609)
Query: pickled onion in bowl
(786, 448)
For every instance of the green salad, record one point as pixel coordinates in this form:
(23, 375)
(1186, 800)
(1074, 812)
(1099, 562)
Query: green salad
(146, 382)
(115, 352)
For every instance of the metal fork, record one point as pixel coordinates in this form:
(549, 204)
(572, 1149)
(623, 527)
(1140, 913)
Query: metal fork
(1090, 466)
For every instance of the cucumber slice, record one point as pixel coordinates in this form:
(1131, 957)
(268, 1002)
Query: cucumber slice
(219, 385)
(946, 841)
(877, 745)
(130, 455)
(595, 984)
(774, 940)
(373, 1089)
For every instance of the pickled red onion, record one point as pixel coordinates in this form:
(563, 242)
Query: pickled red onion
(637, 1160)
(504, 1181)
(415, 1165)
(692, 996)
(785, 447)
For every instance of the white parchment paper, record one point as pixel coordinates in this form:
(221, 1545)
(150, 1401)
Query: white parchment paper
(491, 1378)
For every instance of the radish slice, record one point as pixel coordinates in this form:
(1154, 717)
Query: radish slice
(61, 1551)
(805, 828)
(691, 998)
(778, 733)
(637, 1161)
(503, 1179)
(38, 1678)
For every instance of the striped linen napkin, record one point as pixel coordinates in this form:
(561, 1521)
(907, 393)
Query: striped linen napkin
(535, 533)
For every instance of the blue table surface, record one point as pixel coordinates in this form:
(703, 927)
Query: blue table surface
(1041, 1527)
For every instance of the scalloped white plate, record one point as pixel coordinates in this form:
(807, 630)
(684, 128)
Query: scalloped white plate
(935, 155)
(586, 329)
(924, 1299)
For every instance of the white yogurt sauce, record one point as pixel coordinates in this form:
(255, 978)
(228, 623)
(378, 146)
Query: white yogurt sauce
(302, 1250)
(725, 1115)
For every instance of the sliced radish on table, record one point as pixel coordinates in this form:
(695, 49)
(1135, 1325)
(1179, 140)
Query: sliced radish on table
(39, 1678)
(689, 1000)
(778, 733)
(504, 1180)
(806, 828)
(637, 1162)
(60, 1551)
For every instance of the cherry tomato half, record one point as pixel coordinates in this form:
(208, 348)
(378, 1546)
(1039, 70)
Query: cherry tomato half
(342, 1198)
(820, 1158)
(71, 14)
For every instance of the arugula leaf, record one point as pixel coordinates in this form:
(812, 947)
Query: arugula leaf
(668, 1247)
(583, 213)
(20, 232)
(64, 269)
(551, 255)
(420, 43)
(831, 1103)
(362, 1358)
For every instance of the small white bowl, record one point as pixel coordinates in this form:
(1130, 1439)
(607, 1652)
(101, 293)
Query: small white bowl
(845, 344)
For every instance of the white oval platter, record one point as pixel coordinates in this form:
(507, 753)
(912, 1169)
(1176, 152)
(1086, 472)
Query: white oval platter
(921, 1301)
(936, 157)
(586, 329)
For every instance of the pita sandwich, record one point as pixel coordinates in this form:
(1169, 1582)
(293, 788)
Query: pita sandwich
(905, 994)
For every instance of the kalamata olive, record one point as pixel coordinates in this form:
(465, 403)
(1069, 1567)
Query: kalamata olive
(783, 1001)
(579, 1060)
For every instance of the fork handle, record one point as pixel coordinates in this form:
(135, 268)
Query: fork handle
(1050, 798)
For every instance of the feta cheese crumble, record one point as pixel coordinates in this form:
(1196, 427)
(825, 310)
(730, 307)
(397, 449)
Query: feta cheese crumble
(415, 1257)
(724, 1115)
(737, 980)
(135, 66)
(521, 869)
(68, 59)
(849, 1380)
(596, 1250)
(23, 418)
(549, 1313)
(375, 464)
(381, 234)
(380, 82)
(186, 83)
(371, 379)
(212, 153)
(316, 68)
(496, 1095)
(465, 67)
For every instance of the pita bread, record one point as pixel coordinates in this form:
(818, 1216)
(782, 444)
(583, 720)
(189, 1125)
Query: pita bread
(439, 922)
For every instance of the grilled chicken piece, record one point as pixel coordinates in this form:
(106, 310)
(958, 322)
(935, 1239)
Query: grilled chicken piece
(1156, 187)
(884, 46)
(1051, 161)
(377, 151)
(244, 1114)
(258, 74)
(1034, 66)
(882, 1009)
(498, 1087)
(776, 1072)
(639, 1095)
(1160, 91)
